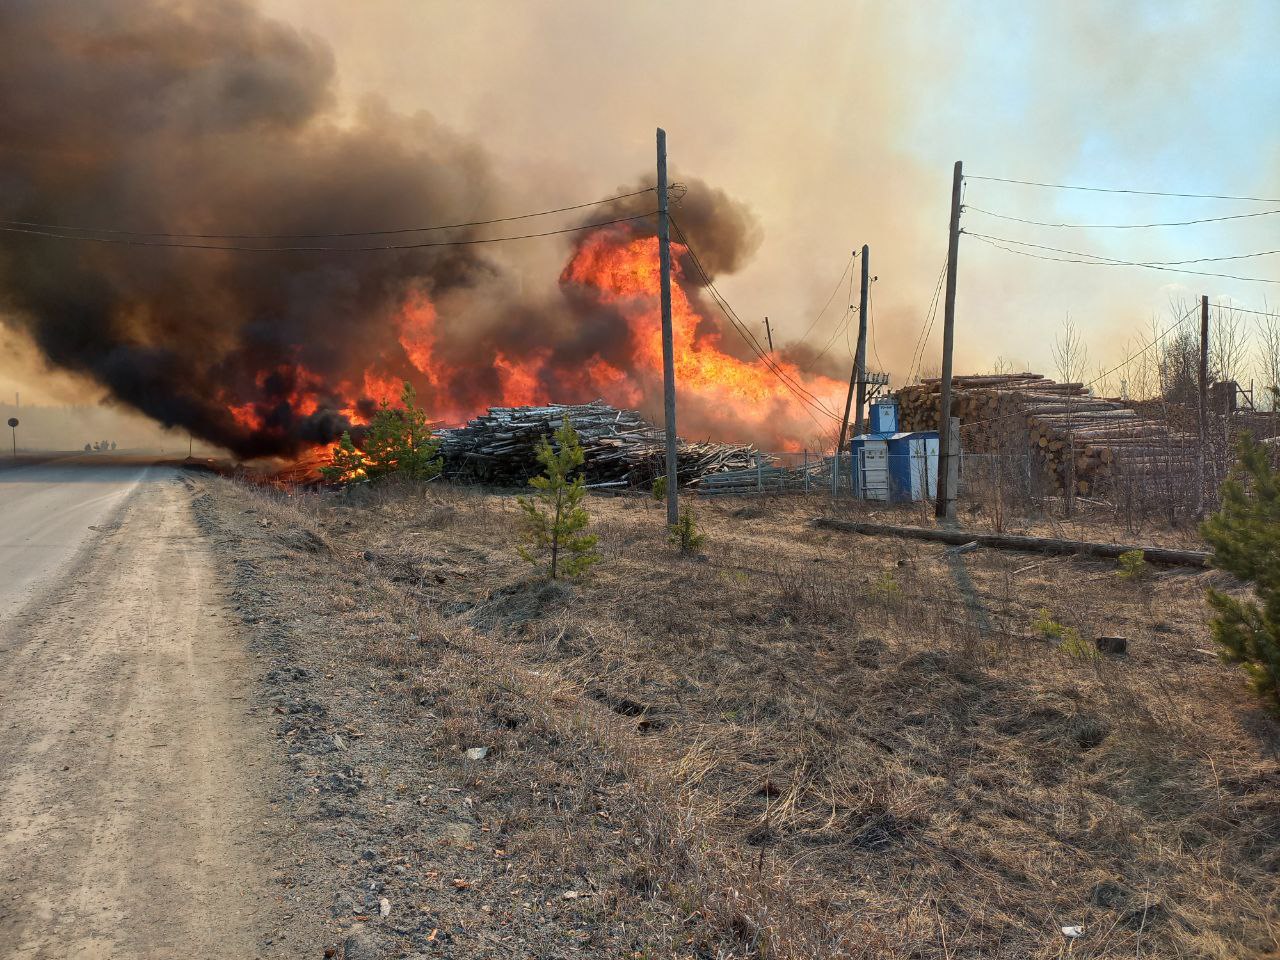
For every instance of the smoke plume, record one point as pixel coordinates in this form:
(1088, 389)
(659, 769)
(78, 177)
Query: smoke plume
(209, 118)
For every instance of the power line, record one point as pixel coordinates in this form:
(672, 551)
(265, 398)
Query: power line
(926, 327)
(807, 399)
(871, 322)
(1147, 193)
(1229, 306)
(320, 236)
(1120, 226)
(315, 249)
(1130, 263)
(836, 289)
(1106, 373)
(1118, 263)
(842, 325)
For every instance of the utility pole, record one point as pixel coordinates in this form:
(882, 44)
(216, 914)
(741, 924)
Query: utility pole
(948, 472)
(853, 382)
(768, 332)
(860, 359)
(668, 350)
(1204, 403)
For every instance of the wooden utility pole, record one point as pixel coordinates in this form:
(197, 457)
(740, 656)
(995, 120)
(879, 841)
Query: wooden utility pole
(853, 386)
(948, 452)
(768, 332)
(860, 359)
(1204, 403)
(668, 350)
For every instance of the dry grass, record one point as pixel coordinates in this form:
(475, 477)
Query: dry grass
(812, 745)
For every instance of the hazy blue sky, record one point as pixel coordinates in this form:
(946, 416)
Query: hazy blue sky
(838, 124)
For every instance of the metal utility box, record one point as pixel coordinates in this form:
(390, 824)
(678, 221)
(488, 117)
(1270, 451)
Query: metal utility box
(884, 417)
(892, 466)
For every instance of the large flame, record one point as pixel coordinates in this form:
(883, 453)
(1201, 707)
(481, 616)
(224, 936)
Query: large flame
(615, 272)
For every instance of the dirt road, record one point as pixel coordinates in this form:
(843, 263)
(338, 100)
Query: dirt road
(132, 815)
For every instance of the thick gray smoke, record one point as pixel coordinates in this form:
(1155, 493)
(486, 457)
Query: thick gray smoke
(208, 118)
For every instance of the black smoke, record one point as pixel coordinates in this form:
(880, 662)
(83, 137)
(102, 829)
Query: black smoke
(208, 118)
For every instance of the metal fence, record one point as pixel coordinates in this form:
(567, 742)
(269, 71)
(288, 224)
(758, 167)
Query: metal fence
(779, 473)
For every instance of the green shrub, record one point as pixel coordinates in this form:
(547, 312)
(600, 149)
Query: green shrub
(1133, 565)
(1245, 536)
(659, 491)
(887, 589)
(554, 517)
(398, 441)
(685, 533)
(1068, 638)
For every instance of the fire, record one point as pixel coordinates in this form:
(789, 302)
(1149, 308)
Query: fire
(726, 391)
(720, 395)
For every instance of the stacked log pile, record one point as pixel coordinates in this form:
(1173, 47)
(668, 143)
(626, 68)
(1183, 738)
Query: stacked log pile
(621, 447)
(1079, 440)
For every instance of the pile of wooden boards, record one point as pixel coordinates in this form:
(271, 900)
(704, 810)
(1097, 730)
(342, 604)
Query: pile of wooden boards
(621, 447)
(1080, 441)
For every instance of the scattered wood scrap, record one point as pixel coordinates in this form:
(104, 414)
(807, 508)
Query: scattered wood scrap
(1165, 556)
(621, 447)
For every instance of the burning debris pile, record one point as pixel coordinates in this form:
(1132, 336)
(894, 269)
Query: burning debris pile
(621, 446)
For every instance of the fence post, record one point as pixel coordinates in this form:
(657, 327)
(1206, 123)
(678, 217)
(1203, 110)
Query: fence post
(806, 469)
(759, 472)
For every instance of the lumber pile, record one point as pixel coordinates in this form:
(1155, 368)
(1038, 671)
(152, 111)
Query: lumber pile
(1078, 440)
(621, 447)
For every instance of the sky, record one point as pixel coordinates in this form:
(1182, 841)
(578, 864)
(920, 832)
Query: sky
(837, 124)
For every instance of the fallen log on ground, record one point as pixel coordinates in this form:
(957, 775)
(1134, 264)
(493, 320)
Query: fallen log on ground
(1165, 556)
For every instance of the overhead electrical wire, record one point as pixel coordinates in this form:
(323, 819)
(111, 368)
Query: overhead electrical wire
(1146, 193)
(732, 314)
(871, 322)
(1129, 263)
(1120, 263)
(836, 289)
(1229, 306)
(1106, 373)
(809, 402)
(842, 325)
(321, 236)
(1119, 226)
(324, 249)
(926, 326)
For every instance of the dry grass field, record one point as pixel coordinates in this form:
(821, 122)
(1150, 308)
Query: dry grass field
(801, 743)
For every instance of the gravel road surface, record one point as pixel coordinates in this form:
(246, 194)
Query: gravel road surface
(134, 816)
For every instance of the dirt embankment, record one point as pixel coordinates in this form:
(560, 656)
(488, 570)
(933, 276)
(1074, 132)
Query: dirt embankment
(799, 745)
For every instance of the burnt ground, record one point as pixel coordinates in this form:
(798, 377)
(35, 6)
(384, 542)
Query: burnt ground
(798, 744)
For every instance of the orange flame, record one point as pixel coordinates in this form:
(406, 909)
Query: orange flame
(721, 395)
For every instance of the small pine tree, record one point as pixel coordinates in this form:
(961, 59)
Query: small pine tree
(398, 440)
(1245, 536)
(345, 462)
(554, 517)
(1133, 565)
(685, 533)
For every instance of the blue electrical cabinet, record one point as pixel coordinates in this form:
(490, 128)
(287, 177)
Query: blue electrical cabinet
(893, 466)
